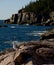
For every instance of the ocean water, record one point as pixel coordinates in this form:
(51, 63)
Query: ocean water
(20, 33)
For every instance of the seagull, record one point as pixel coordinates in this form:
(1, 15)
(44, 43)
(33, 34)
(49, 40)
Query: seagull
(15, 44)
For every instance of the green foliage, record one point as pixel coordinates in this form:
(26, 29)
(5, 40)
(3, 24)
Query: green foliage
(40, 6)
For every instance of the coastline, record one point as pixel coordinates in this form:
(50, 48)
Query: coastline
(27, 52)
(27, 36)
(30, 53)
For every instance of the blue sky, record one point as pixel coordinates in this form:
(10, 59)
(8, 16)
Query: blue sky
(9, 7)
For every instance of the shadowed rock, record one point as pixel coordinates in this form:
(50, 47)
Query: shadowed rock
(48, 35)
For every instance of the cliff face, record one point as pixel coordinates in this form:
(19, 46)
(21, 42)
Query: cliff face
(26, 18)
(30, 18)
(22, 18)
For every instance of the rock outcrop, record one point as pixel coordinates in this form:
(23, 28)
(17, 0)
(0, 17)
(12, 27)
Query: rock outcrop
(30, 53)
(31, 18)
(12, 20)
(48, 35)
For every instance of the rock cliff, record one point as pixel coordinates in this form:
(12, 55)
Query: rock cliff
(31, 18)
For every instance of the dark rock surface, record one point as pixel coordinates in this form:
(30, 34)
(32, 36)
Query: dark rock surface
(48, 35)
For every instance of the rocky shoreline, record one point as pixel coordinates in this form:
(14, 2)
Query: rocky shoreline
(31, 18)
(31, 53)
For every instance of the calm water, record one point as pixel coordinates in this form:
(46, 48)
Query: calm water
(20, 33)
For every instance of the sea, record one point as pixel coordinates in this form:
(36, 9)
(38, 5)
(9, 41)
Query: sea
(20, 33)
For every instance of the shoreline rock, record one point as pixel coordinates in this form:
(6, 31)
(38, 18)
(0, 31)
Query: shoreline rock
(48, 35)
(30, 53)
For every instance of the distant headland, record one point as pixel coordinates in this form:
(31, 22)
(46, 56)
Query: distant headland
(40, 12)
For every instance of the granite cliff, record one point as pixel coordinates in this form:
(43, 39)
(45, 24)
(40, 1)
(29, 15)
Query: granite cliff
(31, 18)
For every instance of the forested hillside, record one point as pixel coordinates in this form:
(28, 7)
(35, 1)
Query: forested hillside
(40, 6)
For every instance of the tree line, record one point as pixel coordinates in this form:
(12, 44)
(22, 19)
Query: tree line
(40, 6)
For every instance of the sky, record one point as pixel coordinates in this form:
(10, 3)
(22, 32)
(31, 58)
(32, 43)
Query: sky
(9, 7)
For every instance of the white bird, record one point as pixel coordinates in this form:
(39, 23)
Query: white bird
(15, 46)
